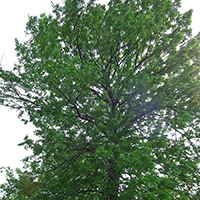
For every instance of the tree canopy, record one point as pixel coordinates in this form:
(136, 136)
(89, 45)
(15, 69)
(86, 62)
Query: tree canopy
(114, 94)
(21, 187)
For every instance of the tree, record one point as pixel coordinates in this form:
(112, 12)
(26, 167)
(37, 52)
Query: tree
(21, 187)
(114, 94)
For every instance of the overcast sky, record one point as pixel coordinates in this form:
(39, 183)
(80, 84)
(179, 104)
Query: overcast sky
(13, 18)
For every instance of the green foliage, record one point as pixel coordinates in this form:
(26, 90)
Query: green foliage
(22, 187)
(114, 94)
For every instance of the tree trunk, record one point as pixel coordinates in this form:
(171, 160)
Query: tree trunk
(112, 188)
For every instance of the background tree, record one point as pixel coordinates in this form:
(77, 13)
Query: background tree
(114, 94)
(22, 187)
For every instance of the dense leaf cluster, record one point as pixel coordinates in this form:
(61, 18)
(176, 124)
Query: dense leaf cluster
(114, 94)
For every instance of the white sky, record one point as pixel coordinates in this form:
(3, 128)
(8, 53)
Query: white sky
(13, 18)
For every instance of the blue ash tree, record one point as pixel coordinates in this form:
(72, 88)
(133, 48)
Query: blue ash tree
(113, 92)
